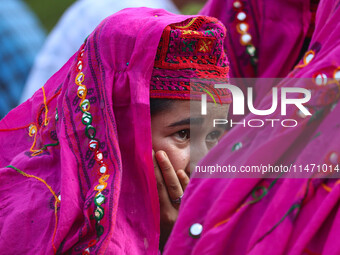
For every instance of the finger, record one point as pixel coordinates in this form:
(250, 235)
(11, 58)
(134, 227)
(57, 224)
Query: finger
(163, 196)
(183, 179)
(172, 182)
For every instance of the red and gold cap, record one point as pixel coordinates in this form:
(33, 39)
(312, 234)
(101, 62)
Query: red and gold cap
(190, 59)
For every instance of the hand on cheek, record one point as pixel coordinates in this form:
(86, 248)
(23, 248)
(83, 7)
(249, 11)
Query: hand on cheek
(170, 185)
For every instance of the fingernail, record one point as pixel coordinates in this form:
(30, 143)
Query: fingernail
(164, 154)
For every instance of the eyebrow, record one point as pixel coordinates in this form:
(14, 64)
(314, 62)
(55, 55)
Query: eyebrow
(188, 121)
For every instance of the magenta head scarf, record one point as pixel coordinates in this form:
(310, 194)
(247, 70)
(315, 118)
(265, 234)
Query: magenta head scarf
(265, 37)
(281, 216)
(76, 164)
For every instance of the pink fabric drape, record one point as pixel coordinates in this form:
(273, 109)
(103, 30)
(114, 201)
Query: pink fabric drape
(264, 216)
(56, 196)
(278, 30)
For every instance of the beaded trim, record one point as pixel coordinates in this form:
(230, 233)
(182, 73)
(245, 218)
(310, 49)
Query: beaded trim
(242, 28)
(90, 133)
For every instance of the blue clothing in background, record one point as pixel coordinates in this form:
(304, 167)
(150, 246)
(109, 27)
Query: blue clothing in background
(74, 26)
(21, 37)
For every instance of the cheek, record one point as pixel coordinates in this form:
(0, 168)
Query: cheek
(179, 157)
(158, 142)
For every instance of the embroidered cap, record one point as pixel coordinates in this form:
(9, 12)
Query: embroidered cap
(190, 59)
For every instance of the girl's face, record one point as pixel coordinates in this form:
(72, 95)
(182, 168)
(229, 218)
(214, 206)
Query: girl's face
(181, 128)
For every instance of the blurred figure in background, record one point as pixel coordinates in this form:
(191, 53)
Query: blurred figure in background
(71, 30)
(189, 7)
(21, 37)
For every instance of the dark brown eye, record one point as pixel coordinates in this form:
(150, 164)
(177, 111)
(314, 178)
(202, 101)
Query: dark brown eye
(184, 134)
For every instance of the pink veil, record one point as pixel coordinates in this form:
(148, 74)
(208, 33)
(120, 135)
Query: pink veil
(82, 181)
